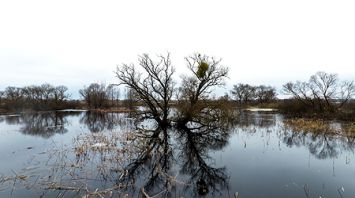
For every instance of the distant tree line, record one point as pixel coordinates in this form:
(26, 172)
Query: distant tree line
(151, 85)
(248, 94)
(35, 97)
(49, 97)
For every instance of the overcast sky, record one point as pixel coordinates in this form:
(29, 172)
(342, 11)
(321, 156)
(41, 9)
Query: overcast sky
(75, 43)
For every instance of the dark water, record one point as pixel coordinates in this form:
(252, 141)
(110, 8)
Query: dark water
(256, 157)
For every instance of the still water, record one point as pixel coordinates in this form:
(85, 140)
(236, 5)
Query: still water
(257, 157)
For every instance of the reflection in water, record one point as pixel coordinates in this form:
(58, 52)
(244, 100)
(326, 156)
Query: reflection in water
(196, 162)
(320, 145)
(44, 124)
(100, 121)
(152, 161)
(182, 162)
(254, 119)
(323, 139)
(167, 159)
(13, 119)
(95, 121)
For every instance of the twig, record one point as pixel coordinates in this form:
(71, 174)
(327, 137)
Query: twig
(306, 190)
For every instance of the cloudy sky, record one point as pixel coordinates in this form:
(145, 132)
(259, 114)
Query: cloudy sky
(270, 42)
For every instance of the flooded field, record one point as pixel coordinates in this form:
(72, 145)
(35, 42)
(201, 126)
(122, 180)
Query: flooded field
(74, 153)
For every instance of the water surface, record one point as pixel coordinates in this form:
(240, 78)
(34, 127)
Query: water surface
(256, 157)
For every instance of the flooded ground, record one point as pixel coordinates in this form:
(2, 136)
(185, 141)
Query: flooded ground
(260, 155)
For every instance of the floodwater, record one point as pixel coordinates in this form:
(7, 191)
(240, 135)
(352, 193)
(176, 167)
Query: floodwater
(257, 157)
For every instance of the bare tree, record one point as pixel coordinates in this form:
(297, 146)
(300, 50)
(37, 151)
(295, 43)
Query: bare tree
(60, 93)
(94, 95)
(130, 99)
(110, 91)
(42, 97)
(13, 93)
(47, 92)
(324, 87)
(300, 91)
(113, 93)
(244, 93)
(153, 85)
(346, 92)
(207, 73)
(2, 96)
(321, 92)
(238, 94)
(265, 93)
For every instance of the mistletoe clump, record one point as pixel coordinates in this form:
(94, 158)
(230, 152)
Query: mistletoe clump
(202, 69)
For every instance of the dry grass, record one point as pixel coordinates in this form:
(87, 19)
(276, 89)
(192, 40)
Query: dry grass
(93, 159)
(92, 166)
(320, 126)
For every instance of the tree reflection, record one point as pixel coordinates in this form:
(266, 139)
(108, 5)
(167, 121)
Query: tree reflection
(152, 161)
(44, 124)
(323, 139)
(13, 119)
(322, 146)
(196, 162)
(168, 159)
(255, 119)
(97, 121)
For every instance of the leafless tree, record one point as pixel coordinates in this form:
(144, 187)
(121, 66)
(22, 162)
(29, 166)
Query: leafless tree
(42, 97)
(152, 84)
(237, 92)
(322, 91)
(324, 88)
(265, 93)
(300, 91)
(207, 73)
(95, 95)
(113, 94)
(346, 92)
(2, 96)
(47, 91)
(243, 93)
(60, 93)
(130, 99)
(13, 93)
